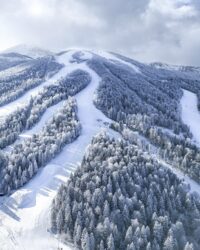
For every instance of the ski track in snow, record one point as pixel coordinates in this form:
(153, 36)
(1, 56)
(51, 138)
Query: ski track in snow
(112, 57)
(194, 186)
(190, 114)
(191, 117)
(38, 127)
(23, 100)
(24, 215)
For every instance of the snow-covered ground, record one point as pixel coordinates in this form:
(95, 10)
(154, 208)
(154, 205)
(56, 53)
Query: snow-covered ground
(190, 114)
(24, 216)
(29, 50)
(38, 127)
(143, 142)
(112, 57)
(15, 70)
(194, 186)
(20, 102)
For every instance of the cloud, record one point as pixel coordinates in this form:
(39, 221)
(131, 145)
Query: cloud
(147, 30)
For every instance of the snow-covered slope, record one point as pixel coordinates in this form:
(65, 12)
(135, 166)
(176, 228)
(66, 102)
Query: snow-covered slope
(30, 51)
(8, 60)
(24, 215)
(180, 68)
(191, 114)
(114, 58)
(23, 100)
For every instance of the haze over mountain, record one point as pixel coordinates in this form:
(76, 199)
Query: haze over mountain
(147, 30)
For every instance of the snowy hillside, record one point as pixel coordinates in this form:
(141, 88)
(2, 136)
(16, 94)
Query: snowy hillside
(176, 67)
(89, 139)
(30, 51)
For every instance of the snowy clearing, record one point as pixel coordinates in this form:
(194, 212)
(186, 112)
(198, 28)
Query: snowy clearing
(190, 114)
(25, 214)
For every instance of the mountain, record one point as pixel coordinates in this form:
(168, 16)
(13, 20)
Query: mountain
(8, 60)
(30, 51)
(98, 151)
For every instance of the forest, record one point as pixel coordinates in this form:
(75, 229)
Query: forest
(27, 116)
(23, 162)
(36, 72)
(149, 106)
(120, 198)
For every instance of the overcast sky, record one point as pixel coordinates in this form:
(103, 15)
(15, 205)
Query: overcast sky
(147, 30)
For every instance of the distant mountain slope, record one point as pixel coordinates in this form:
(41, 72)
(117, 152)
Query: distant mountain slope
(30, 51)
(8, 60)
(186, 69)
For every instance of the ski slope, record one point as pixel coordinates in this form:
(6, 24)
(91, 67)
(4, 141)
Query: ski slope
(112, 57)
(154, 152)
(190, 114)
(48, 114)
(23, 100)
(24, 216)
(194, 187)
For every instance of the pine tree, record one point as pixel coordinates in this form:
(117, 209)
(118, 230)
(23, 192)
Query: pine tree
(111, 244)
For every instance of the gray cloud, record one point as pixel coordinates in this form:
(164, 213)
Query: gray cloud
(147, 30)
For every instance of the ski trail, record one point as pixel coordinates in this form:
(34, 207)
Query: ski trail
(194, 186)
(25, 214)
(24, 99)
(190, 114)
(112, 57)
(48, 114)
(68, 68)
(143, 142)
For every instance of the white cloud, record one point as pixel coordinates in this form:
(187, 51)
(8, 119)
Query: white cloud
(148, 30)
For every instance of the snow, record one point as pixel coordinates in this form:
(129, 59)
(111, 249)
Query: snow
(112, 57)
(29, 50)
(153, 151)
(48, 114)
(194, 186)
(86, 55)
(159, 65)
(23, 100)
(24, 215)
(190, 114)
(13, 71)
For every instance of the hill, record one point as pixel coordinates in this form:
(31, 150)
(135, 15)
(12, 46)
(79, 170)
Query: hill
(121, 132)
